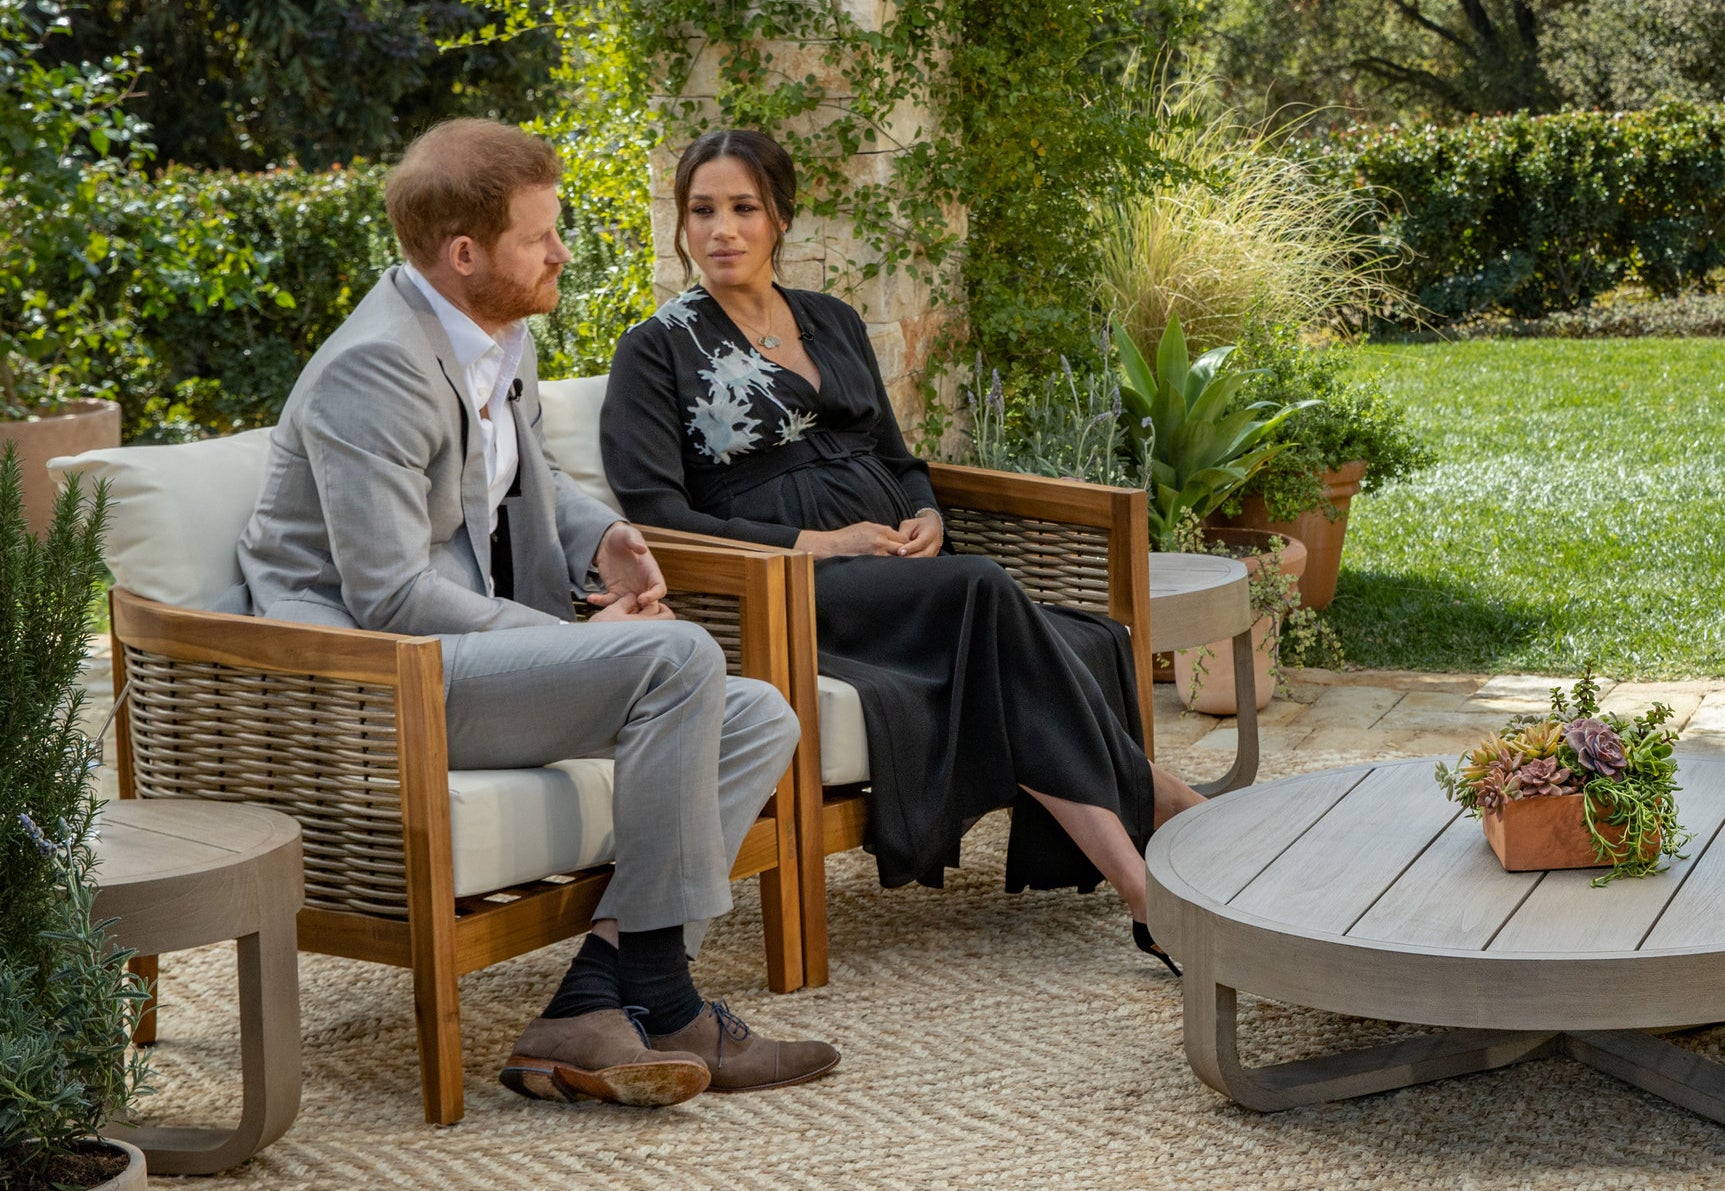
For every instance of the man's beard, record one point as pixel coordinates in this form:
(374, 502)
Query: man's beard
(503, 300)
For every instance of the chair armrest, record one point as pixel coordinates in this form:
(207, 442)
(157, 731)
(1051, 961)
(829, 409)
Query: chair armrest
(737, 594)
(1067, 542)
(357, 655)
(1014, 494)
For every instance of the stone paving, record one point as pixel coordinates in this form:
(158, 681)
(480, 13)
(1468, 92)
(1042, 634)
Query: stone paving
(1378, 713)
(1400, 713)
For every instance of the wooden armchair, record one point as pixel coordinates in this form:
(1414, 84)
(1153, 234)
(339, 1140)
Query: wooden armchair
(344, 731)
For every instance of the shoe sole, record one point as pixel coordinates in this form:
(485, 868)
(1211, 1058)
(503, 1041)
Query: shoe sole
(783, 1083)
(642, 1085)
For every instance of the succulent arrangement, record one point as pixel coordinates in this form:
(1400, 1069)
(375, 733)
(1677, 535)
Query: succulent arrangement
(1623, 766)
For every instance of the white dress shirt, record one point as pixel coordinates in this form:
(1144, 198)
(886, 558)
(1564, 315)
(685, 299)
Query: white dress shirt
(488, 368)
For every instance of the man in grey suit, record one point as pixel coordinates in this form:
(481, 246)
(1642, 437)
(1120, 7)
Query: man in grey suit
(409, 490)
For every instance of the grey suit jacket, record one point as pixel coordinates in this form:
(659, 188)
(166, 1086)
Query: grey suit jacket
(373, 512)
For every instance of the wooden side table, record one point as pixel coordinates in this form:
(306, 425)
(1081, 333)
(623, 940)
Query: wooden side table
(1196, 599)
(179, 873)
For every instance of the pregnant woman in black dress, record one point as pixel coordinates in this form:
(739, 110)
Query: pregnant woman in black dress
(750, 411)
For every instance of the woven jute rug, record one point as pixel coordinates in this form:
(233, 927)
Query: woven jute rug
(989, 1040)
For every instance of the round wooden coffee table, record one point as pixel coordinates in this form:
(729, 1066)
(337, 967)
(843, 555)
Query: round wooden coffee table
(1363, 891)
(179, 873)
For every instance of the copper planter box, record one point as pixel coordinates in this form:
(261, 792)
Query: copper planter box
(1548, 832)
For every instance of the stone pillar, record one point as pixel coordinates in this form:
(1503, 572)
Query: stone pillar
(825, 254)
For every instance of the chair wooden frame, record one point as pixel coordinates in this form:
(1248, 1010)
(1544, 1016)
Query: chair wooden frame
(434, 935)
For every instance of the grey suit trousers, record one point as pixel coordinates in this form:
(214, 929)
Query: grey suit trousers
(696, 753)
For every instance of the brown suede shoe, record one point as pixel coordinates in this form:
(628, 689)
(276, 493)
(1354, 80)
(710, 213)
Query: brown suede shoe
(740, 1059)
(603, 1055)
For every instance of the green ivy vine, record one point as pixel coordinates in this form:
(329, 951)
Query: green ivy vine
(1027, 125)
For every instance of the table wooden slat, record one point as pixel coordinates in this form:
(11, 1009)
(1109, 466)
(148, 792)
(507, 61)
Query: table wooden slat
(1329, 877)
(1245, 836)
(1456, 895)
(1696, 916)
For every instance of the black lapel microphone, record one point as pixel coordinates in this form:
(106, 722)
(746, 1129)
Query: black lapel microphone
(515, 389)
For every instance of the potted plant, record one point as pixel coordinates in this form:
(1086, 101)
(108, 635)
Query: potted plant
(67, 136)
(1350, 438)
(1575, 788)
(68, 1007)
(1200, 445)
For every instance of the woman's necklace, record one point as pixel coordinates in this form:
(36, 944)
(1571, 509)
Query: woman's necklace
(765, 338)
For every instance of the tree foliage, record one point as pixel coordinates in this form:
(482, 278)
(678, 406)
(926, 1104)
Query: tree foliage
(1450, 57)
(1443, 59)
(76, 256)
(1634, 53)
(241, 84)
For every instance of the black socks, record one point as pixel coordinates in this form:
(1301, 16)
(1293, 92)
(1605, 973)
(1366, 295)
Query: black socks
(647, 968)
(654, 973)
(590, 983)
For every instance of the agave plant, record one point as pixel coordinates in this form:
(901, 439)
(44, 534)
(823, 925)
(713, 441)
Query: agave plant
(1198, 450)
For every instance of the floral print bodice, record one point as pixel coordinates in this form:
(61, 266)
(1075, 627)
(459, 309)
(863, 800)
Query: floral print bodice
(695, 418)
(723, 423)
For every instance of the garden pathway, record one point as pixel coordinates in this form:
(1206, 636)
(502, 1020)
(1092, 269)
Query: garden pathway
(1401, 713)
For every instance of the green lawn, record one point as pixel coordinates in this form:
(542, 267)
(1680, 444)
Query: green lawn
(1576, 512)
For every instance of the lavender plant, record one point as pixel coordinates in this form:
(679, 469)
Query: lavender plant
(1068, 426)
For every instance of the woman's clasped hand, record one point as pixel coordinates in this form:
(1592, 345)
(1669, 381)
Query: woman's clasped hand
(915, 537)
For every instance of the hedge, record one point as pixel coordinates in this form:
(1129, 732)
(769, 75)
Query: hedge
(318, 242)
(1526, 215)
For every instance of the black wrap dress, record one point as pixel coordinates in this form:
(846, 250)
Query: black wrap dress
(969, 689)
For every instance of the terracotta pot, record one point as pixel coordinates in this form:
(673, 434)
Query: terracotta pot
(1215, 694)
(84, 426)
(1323, 537)
(1549, 832)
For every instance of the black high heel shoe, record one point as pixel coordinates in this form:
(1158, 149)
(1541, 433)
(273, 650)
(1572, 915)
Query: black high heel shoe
(1141, 936)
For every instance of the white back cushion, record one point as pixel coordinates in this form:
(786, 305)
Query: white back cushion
(177, 512)
(571, 428)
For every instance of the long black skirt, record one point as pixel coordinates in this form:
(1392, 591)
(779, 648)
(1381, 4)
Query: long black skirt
(971, 691)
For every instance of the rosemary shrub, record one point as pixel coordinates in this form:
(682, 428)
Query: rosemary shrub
(68, 1006)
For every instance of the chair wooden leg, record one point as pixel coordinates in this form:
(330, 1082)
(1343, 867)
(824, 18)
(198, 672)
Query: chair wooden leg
(782, 924)
(144, 967)
(812, 877)
(437, 1012)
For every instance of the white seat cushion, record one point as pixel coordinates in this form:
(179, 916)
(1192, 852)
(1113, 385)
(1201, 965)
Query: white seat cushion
(571, 425)
(844, 739)
(514, 825)
(177, 512)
